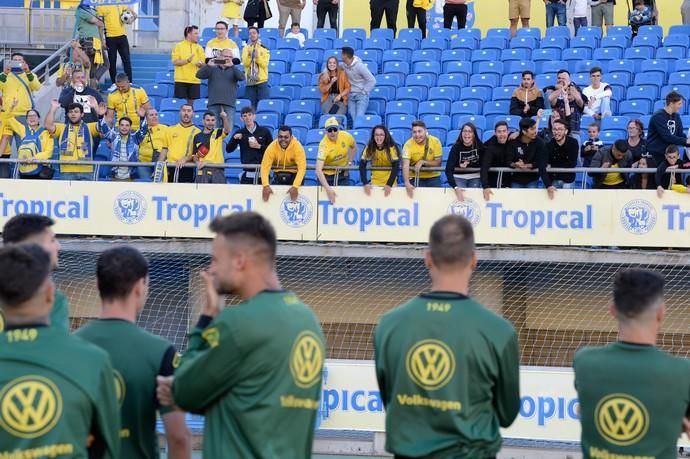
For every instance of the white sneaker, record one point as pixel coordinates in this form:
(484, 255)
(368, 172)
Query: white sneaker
(112, 87)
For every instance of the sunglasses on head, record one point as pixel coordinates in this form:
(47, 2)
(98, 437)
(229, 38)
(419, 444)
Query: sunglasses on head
(332, 129)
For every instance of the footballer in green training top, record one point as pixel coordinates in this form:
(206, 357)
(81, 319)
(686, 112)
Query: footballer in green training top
(138, 356)
(634, 398)
(254, 369)
(57, 396)
(447, 368)
(37, 229)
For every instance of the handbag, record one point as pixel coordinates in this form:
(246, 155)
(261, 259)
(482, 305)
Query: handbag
(267, 10)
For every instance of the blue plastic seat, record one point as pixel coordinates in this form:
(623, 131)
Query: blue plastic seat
(451, 137)
(269, 120)
(437, 122)
(558, 43)
(544, 80)
(553, 67)
(672, 53)
(482, 55)
(376, 44)
(318, 43)
(315, 136)
(288, 44)
(682, 41)
(200, 105)
(172, 104)
(487, 80)
(489, 68)
(303, 106)
(325, 33)
(427, 67)
(405, 43)
(162, 77)
(607, 54)
(401, 107)
(309, 55)
(615, 122)
(394, 67)
(359, 34)
(651, 30)
(622, 79)
(157, 90)
(508, 55)
(634, 108)
(531, 32)
(557, 31)
(481, 94)
(586, 65)
(456, 67)
(648, 92)
(386, 34)
(396, 55)
(493, 43)
(439, 43)
(282, 92)
(521, 66)
(479, 121)
(382, 92)
(400, 121)
(590, 31)
(546, 55)
(467, 43)
(310, 93)
(299, 120)
(512, 80)
(649, 78)
(470, 32)
(584, 41)
(285, 55)
(576, 54)
(435, 107)
(453, 79)
(415, 34)
(423, 55)
(610, 137)
(447, 93)
(649, 42)
(524, 43)
(425, 80)
(294, 79)
(501, 32)
(619, 31)
(466, 107)
(500, 107)
(679, 78)
(502, 93)
(415, 93)
(622, 66)
(308, 67)
(615, 41)
(639, 54)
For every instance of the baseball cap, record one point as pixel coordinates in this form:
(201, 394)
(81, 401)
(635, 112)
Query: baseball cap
(332, 122)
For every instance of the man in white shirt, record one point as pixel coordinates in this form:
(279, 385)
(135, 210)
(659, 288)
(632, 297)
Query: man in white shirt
(598, 96)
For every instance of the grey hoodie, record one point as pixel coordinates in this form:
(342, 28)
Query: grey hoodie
(361, 79)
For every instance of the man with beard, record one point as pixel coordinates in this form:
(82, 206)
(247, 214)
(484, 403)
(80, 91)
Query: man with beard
(75, 139)
(257, 386)
(496, 154)
(527, 99)
(78, 92)
(180, 146)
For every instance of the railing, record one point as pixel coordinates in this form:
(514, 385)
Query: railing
(39, 27)
(51, 63)
(256, 167)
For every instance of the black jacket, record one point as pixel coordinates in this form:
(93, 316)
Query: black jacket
(562, 156)
(495, 155)
(664, 130)
(533, 153)
(250, 155)
(67, 96)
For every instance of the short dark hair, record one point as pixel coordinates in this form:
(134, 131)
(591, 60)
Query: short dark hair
(253, 28)
(526, 123)
(125, 118)
(121, 78)
(347, 51)
(563, 71)
(189, 28)
(501, 123)
(33, 110)
(594, 124)
(223, 23)
(595, 70)
(207, 113)
(671, 149)
(528, 72)
(247, 109)
(23, 226)
(451, 241)
(296, 24)
(24, 268)
(673, 97)
(74, 105)
(186, 105)
(635, 291)
(419, 123)
(561, 122)
(250, 226)
(621, 145)
(285, 129)
(15, 54)
(117, 270)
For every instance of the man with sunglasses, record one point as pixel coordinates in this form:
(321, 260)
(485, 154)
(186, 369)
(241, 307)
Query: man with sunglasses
(286, 157)
(252, 140)
(337, 149)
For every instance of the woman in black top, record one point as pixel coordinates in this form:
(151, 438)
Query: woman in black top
(466, 153)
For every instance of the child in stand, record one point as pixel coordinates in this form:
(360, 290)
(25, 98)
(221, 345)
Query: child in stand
(296, 33)
(591, 145)
(578, 11)
(640, 16)
(232, 12)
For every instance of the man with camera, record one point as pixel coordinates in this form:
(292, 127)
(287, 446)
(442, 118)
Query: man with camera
(17, 82)
(566, 89)
(222, 76)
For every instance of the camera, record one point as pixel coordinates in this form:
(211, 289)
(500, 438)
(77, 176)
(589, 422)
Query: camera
(16, 66)
(219, 61)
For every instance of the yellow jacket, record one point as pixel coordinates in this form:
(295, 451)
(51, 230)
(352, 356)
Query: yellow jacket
(261, 60)
(184, 50)
(284, 161)
(12, 88)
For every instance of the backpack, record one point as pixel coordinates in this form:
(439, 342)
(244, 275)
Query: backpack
(29, 147)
